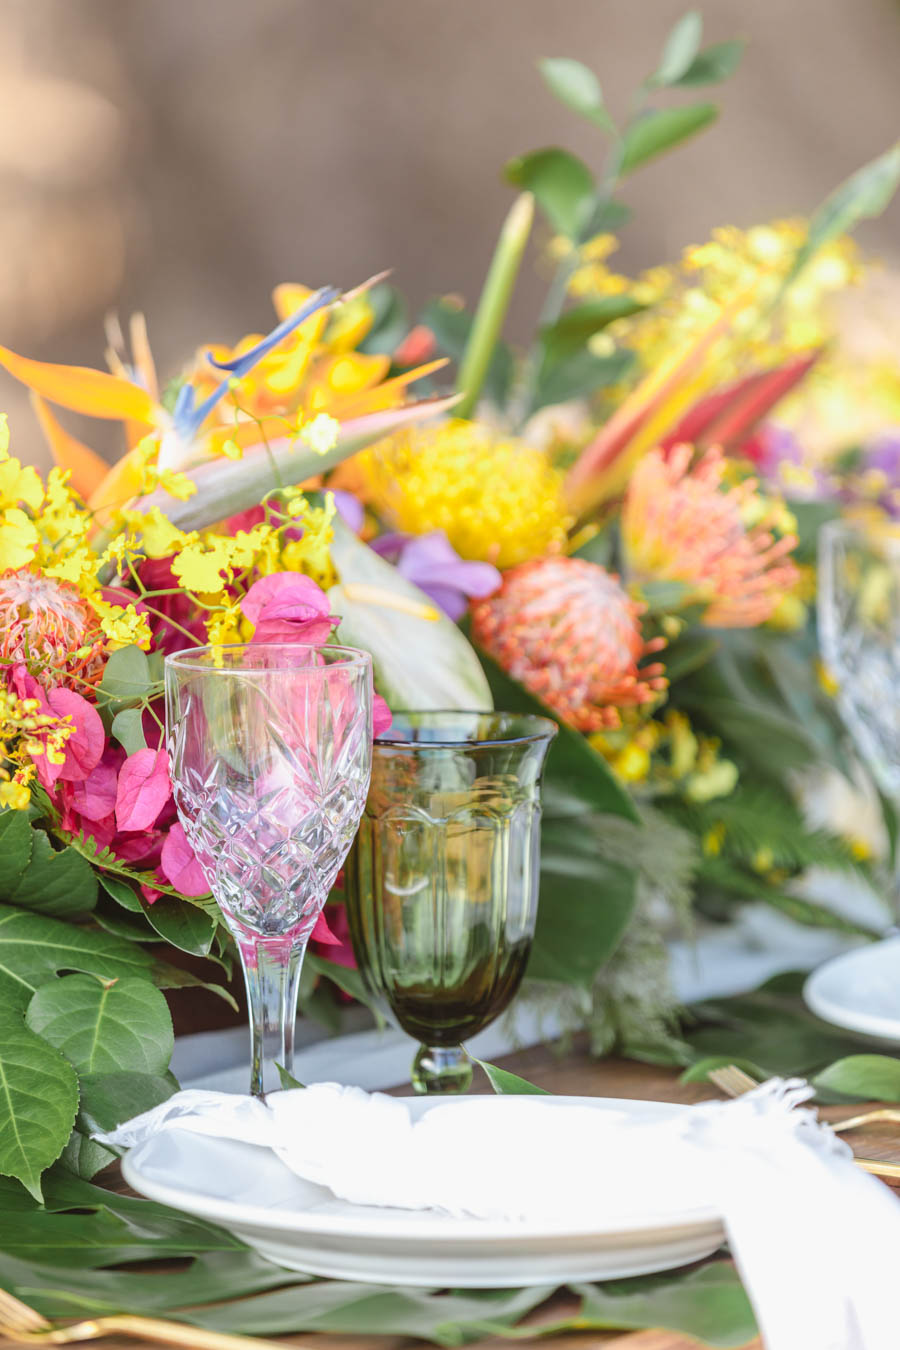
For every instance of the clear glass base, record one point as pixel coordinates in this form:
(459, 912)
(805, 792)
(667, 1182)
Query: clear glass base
(441, 1069)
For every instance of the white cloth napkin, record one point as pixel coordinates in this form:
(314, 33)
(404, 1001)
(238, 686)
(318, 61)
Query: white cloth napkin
(816, 1239)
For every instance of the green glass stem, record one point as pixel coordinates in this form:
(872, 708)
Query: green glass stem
(441, 1068)
(271, 969)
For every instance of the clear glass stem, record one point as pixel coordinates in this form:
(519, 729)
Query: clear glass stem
(272, 976)
(439, 1068)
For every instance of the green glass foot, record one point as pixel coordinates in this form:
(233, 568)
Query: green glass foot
(441, 1069)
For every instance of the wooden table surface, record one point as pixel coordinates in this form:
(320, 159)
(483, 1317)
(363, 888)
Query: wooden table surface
(576, 1073)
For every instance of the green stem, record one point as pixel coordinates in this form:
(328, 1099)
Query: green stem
(494, 302)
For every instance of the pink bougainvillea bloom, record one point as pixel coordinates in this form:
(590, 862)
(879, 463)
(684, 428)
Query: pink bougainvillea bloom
(569, 632)
(143, 789)
(179, 864)
(84, 748)
(381, 716)
(288, 607)
(680, 522)
(95, 796)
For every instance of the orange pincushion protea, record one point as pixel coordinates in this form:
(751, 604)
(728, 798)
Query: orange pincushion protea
(568, 631)
(46, 624)
(680, 523)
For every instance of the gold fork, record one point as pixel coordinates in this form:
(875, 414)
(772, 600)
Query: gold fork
(20, 1323)
(734, 1083)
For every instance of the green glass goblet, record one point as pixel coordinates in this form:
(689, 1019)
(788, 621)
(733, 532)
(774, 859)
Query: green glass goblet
(442, 881)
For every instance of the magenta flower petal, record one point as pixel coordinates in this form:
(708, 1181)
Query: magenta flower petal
(179, 864)
(322, 933)
(143, 789)
(285, 595)
(381, 716)
(84, 748)
(95, 796)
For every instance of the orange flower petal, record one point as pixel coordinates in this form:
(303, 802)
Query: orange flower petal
(83, 390)
(86, 467)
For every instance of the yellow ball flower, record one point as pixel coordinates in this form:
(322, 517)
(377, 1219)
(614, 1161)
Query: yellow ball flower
(497, 499)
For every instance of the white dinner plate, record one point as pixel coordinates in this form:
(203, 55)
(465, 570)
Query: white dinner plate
(860, 990)
(247, 1190)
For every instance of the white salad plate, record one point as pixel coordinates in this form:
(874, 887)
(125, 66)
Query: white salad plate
(860, 991)
(248, 1191)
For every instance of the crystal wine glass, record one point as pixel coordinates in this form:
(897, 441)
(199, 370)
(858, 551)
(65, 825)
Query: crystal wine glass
(859, 629)
(442, 883)
(270, 749)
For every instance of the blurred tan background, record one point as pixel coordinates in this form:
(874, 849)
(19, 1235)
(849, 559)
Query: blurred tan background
(183, 156)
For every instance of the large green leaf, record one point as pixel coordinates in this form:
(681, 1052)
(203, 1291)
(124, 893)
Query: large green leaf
(108, 1099)
(126, 678)
(577, 87)
(580, 374)
(420, 662)
(448, 1319)
(56, 1291)
(586, 904)
(105, 1026)
(16, 836)
(562, 185)
(34, 948)
(582, 774)
(868, 1077)
(56, 881)
(38, 1101)
(662, 129)
(708, 1304)
(103, 1238)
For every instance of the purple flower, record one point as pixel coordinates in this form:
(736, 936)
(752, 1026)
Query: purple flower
(431, 562)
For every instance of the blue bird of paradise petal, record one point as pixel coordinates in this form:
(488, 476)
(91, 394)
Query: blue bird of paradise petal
(188, 417)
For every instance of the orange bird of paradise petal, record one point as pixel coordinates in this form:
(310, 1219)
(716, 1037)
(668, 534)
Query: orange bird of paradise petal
(92, 392)
(86, 468)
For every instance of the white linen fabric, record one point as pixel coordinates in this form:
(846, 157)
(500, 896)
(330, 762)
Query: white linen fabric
(815, 1238)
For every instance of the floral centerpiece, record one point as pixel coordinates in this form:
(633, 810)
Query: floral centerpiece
(595, 528)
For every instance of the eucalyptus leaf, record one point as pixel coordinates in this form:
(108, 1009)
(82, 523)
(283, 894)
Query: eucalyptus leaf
(126, 677)
(421, 659)
(866, 1077)
(503, 1082)
(287, 1080)
(345, 977)
(713, 65)
(38, 1102)
(105, 1026)
(577, 87)
(33, 948)
(56, 881)
(128, 729)
(181, 923)
(121, 891)
(681, 47)
(862, 196)
(562, 184)
(699, 1071)
(661, 129)
(16, 835)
